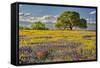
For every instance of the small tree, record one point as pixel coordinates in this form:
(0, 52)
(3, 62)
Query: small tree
(21, 27)
(38, 26)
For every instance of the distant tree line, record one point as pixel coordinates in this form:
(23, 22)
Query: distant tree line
(66, 20)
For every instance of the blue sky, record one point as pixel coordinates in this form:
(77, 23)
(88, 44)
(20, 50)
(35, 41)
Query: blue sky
(38, 10)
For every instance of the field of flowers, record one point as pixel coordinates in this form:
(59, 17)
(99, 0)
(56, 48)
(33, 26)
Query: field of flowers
(37, 46)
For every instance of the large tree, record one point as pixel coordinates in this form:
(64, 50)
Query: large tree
(69, 19)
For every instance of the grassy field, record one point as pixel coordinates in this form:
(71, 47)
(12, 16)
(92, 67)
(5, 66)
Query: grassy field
(37, 46)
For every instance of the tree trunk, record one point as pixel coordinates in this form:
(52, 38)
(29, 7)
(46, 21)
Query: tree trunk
(70, 27)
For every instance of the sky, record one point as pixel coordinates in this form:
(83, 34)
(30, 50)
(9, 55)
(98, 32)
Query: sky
(32, 13)
(39, 10)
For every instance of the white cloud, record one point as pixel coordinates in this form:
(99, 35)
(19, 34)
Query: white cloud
(92, 12)
(27, 14)
(89, 20)
(21, 5)
(21, 14)
(24, 14)
(29, 18)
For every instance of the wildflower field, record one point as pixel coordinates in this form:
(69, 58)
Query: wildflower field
(37, 46)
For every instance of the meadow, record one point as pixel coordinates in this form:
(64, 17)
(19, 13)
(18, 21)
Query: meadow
(38, 46)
